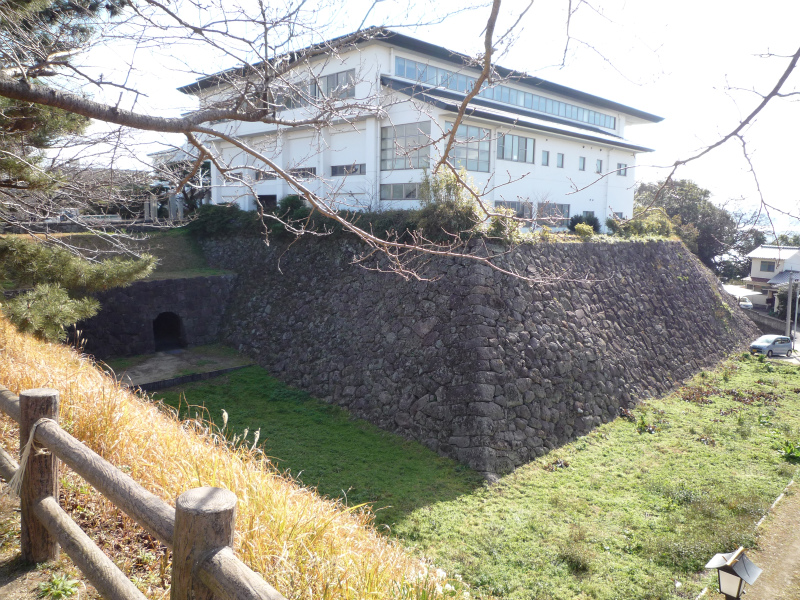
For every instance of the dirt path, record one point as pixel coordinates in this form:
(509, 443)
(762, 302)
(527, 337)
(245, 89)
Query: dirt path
(779, 552)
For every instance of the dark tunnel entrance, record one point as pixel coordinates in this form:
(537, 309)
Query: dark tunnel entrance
(168, 332)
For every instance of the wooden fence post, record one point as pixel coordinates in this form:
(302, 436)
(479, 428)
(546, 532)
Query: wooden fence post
(40, 478)
(204, 521)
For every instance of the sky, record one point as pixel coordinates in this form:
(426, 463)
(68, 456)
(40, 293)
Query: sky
(700, 64)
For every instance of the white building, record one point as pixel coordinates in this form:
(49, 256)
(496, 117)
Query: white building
(770, 269)
(528, 143)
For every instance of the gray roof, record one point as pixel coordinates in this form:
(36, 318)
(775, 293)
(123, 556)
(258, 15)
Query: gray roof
(783, 277)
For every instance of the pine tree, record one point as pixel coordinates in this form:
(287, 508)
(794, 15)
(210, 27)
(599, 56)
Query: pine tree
(62, 284)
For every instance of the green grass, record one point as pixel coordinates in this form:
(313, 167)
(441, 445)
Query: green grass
(624, 512)
(322, 446)
(178, 253)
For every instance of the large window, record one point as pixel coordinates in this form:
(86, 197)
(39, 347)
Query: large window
(342, 170)
(515, 147)
(768, 266)
(303, 172)
(405, 146)
(522, 209)
(417, 71)
(399, 191)
(552, 215)
(336, 85)
(472, 148)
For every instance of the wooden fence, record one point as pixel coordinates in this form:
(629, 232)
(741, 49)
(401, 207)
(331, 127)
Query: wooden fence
(199, 530)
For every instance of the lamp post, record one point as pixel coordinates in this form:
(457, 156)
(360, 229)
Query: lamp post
(734, 570)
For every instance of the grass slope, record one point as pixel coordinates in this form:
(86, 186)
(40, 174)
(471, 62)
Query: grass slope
(632, 510)
(322, 446)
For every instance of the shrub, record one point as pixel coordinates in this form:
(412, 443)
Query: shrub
(584, 230)
(449, 211)
(215, 220)
(652, 222)
(505, 227)
(590, 220)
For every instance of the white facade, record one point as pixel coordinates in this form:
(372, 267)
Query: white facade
(403, 98)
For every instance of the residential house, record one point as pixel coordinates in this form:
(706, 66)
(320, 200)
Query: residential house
(543, 149)
(770, 269)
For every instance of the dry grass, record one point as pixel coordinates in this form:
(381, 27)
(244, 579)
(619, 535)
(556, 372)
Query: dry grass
(304, 545)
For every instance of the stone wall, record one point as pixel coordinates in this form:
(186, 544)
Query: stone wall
(480, 366)
(124, 325)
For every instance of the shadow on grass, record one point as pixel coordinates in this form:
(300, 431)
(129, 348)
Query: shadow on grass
(322, 446)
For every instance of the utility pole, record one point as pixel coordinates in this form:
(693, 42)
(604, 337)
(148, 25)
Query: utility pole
(789, 306)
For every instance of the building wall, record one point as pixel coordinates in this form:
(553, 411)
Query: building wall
(358, 140)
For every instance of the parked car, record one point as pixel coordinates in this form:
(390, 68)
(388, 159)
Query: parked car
(772, 344)
(744, 302)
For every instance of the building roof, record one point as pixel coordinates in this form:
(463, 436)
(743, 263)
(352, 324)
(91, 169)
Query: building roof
(783, 277)
(510, 115)
(774, 252)
(392, 38)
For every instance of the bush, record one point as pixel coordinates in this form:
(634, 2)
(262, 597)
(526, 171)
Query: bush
(449, 211)
(591, 220)
(505, 227)
(215, 220)
(584, 230)
(653, 222)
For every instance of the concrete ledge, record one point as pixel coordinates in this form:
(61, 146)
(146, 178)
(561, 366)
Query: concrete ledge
(154, 386)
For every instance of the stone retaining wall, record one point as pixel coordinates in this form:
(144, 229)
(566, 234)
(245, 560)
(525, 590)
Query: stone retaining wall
(480, 366)
(124, 325)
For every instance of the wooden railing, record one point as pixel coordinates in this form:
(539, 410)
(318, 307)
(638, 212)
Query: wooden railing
(199, 530)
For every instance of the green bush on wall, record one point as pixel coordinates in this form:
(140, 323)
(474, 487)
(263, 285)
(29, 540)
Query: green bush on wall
(590, 220)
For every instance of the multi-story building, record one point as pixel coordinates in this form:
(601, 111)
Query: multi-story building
(541, 148)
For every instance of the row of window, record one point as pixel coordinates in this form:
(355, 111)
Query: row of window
(404, 147)
(427, 74)
(335, 85)
(309, 172)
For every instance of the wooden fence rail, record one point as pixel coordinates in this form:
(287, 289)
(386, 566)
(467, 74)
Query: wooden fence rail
(199, 530)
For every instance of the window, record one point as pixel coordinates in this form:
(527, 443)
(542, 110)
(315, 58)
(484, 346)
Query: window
(622, 169)
(581, 163)
(599, 167)
(399, 191)
(552, 215)
(545, 158)
(768, 266)
(265, 176)
(560, 160)
(303, 172)
(268, 202)
(619, 215)
(523, 210)
(472, 148)
(427, 74)
(336, 85)
(405, 146)
(588, 213)
(514, 147)
(342, 170)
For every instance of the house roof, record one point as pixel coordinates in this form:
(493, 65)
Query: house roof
(392, 38)
(774, 252)
(501, 113)
(783, 277)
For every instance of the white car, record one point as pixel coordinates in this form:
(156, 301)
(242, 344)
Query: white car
(744, 302)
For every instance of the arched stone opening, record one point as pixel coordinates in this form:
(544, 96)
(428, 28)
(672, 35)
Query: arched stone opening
(168, 332)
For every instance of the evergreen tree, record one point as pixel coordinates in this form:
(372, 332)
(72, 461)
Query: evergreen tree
(62, 283)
